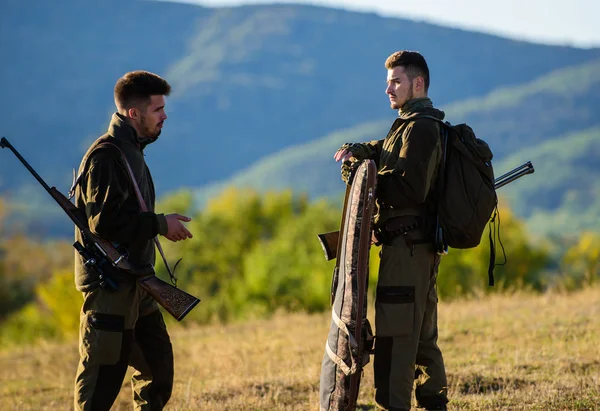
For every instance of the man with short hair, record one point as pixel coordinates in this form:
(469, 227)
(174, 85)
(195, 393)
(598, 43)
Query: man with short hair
(124, 326)
(406, 299)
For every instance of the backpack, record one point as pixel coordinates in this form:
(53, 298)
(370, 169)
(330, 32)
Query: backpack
(467, 196)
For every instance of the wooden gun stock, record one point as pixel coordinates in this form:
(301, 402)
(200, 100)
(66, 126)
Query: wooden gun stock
(177, 302)
(99, 254)
(329, 241)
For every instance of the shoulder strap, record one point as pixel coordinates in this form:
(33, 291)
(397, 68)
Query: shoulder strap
(143, 206)
(440, 244)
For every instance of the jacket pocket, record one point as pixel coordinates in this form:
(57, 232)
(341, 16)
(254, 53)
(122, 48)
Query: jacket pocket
(394, 311)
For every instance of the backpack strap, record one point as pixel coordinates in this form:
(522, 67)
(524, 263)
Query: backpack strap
(441, 247)
(440, 244)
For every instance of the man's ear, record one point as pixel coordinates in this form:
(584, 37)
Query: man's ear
(419, 83)
(133, 113)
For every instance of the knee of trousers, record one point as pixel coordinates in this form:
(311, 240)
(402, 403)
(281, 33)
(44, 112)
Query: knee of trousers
(104, 341)
(152, 336)
(395, 311)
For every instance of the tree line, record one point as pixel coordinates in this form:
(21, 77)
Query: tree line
(254, 254)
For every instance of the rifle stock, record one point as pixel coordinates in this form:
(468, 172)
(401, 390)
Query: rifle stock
(101, 255)
(176, 302)
(329, 241)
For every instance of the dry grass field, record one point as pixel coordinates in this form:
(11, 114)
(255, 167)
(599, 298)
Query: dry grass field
(518, 352)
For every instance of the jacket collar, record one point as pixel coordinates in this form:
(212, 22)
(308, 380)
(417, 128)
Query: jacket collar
(120, 129)
(419, 106)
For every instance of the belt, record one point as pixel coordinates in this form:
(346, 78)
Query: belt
(401, 225)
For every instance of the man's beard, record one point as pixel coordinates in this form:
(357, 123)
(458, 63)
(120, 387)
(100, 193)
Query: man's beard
(409, 96)
(149, 133)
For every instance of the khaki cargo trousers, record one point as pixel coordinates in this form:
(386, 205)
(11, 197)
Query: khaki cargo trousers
(119, 328)
(406, 350)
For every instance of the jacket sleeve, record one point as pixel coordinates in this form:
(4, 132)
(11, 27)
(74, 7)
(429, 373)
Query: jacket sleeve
(408, 183)
(108, 204)
(370, 150)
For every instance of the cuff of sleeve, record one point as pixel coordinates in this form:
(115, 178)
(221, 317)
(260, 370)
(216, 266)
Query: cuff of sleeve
(359, 151)
(162, 224)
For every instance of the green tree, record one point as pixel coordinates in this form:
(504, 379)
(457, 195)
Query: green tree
(229, 227)
(581, 262)
(288, 271)
(253, 254)
(54, 314)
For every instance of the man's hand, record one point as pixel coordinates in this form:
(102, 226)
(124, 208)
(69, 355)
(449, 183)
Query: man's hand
(176, 230)
(343, 154)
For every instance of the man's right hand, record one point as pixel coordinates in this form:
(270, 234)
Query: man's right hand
(176, 230)
(343, 153)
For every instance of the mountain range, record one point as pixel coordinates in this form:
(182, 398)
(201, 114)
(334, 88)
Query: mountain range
(263, 95)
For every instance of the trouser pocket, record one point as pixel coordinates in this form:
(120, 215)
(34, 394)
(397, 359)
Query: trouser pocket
(394, 311)
(102, 337)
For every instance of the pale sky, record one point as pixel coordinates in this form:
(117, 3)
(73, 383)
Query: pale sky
(572, 22)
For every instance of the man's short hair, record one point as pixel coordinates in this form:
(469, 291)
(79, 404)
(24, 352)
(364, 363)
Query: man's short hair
(413, 62)
(135, 88)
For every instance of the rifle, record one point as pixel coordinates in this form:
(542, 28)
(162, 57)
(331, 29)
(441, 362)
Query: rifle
(101, 256)
(329, 241)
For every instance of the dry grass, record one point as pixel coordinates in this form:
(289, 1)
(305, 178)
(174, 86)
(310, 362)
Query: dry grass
(520, 352)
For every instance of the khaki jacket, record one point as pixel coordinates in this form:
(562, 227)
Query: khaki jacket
(110, 203)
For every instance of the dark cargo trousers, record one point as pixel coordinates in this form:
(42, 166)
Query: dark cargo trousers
(117, 329)
(406, 350)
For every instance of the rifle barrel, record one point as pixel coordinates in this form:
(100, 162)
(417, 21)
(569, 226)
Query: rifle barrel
(5, 144)
(512, 175)
(515, 170)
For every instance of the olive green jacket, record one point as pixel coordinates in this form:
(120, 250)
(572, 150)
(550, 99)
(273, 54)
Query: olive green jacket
(407, 161)
(111, 207)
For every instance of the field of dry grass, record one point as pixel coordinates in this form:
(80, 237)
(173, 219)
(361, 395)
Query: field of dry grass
(519, 352)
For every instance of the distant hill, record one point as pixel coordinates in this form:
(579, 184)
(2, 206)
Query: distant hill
(550, 121)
